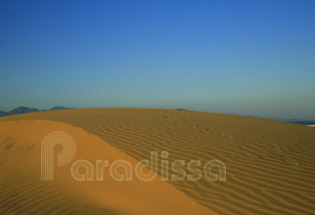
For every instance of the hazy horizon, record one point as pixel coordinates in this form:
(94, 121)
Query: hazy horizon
(245, 57)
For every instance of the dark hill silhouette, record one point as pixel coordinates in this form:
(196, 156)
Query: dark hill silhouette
(2, 113)
(22, 109)
(59, 108)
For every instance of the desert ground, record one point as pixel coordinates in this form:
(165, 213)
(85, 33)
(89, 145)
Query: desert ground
(270, 165)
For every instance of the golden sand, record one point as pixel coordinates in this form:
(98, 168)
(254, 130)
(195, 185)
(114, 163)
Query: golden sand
(270, 164)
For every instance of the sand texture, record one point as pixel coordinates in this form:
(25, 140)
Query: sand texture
(270, 164)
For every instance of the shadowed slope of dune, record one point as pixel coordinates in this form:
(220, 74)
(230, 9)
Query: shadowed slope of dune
(23, 192)
(270, 164)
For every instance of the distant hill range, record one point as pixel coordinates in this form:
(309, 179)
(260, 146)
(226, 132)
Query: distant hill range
(59, 108)
(22, 109)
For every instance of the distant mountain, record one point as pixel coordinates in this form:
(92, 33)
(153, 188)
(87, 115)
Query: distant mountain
(22, 109)
(59, 108)
(2, 113)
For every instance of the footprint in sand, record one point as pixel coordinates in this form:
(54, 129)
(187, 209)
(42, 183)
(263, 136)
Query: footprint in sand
(7, 143)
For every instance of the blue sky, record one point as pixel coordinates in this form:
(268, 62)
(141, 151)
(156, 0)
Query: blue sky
(241, 57)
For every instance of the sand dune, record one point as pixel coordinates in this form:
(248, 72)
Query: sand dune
(270, 165)
(22, 191)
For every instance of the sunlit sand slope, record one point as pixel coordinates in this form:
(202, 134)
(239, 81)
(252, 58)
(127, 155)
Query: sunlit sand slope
(23, 193)
(270, 165)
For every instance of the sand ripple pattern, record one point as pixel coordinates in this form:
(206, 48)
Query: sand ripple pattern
(270, 165)
(27, 196)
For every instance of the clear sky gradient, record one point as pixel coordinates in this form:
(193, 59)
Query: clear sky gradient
(241, 57)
